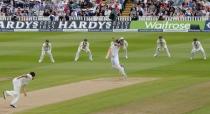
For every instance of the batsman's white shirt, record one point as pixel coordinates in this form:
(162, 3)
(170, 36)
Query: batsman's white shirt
(114, 55)
(161, 43)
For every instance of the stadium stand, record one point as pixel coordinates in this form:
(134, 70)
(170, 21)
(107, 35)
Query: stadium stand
(169, 8)
(109, 9)
(60, 7)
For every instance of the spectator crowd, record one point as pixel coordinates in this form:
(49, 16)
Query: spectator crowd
(61, 8)
(163, 8)
(112, 8)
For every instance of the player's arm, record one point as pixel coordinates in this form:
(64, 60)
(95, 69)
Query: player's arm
(80, 45)
(21, 77)
(43, 45)
(24, 90)
(165, 44)
(111, 53)
(164, 41)
(88, 44)
(126, 43)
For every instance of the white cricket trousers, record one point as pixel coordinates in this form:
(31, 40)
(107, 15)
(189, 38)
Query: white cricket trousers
(158, 49)
(116, 64)
(49, 54)
(15, 93)
(87, 51)
(194, 51)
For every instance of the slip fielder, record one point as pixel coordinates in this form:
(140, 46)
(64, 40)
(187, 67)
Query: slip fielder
(197, 47)
(84, 46)
(161, 45)
(46, 48)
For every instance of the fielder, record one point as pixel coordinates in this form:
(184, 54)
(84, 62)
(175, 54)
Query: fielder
(46, 48)
(18, 84)
(114, 51)
(197, 47)
(84, 46)
(161, 45)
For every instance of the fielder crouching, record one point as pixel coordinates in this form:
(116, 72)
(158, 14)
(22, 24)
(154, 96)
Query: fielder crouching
(46, 48)
(84, 46)
(197, 47)
(161, 45)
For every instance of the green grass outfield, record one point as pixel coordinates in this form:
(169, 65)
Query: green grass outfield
(183, 87)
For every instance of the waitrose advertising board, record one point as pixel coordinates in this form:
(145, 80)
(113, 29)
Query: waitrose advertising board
(176, 26)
